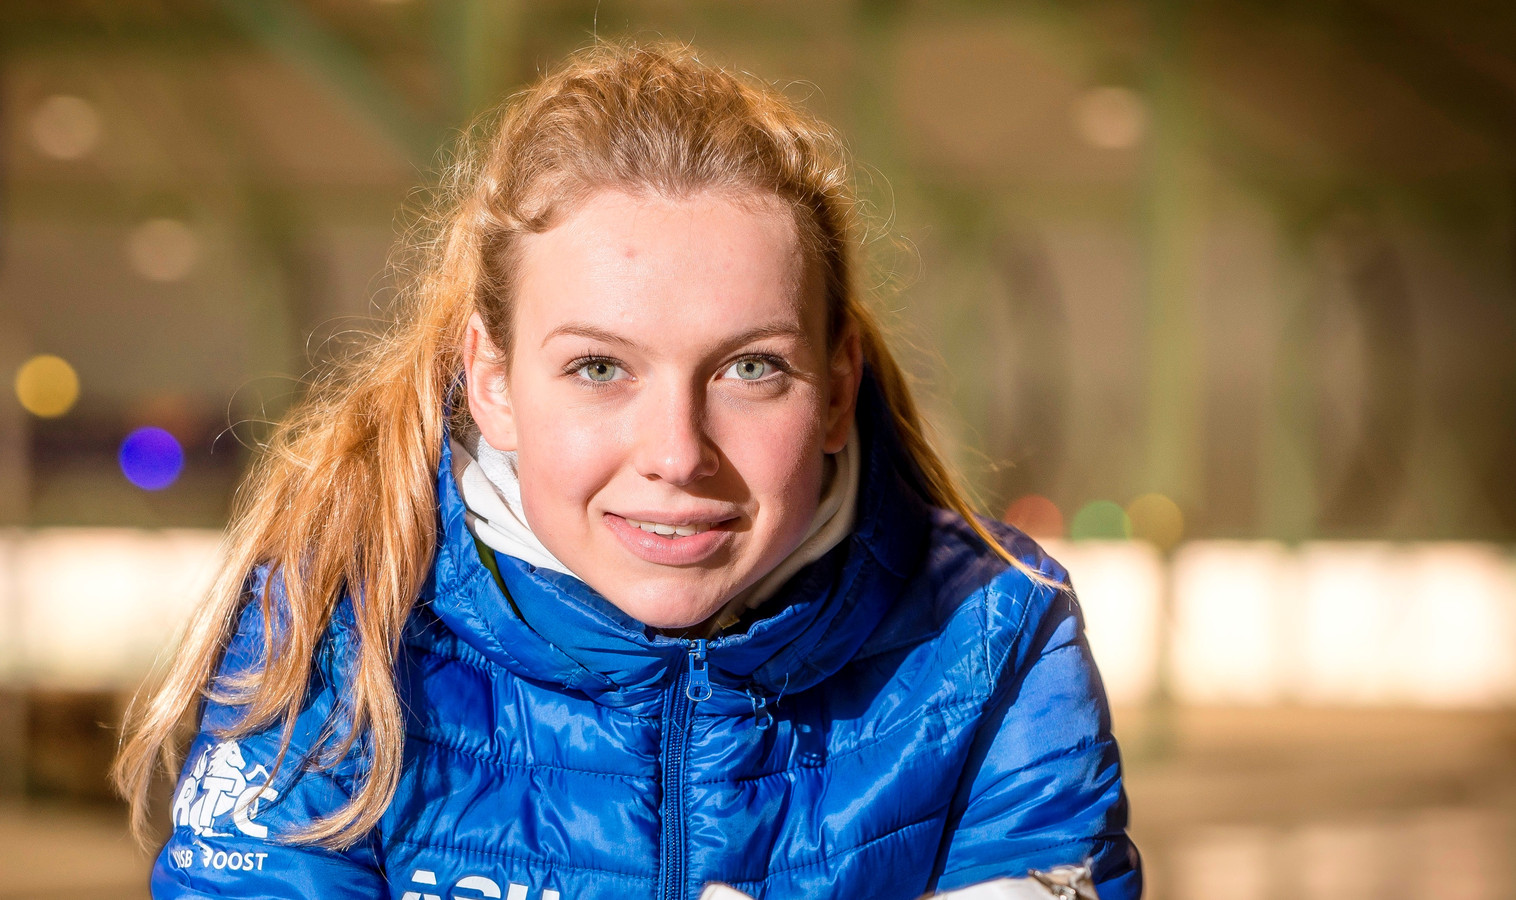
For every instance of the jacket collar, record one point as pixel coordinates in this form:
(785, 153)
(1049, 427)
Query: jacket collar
(809, 629)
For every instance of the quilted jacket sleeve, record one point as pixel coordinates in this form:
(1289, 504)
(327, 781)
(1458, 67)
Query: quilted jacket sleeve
(1043, 784)
(230, 815)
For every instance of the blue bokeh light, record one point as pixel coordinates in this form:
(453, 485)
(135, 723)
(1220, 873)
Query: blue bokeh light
(151, 458)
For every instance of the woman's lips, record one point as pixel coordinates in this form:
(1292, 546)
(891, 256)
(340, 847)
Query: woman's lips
(669, 530)
(703, 541)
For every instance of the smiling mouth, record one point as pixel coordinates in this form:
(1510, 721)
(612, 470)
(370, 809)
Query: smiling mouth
(693, 539)
(660, 528)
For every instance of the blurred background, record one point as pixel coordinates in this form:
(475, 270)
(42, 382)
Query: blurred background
(1218, 299)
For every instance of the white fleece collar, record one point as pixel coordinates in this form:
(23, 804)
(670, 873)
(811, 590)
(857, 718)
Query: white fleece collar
(491, 490)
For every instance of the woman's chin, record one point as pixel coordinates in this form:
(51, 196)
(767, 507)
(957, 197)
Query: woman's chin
(669, 611)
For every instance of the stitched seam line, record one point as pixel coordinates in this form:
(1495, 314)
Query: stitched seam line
(903, 644)
(831, 858)
(856, 848)
(489, 635)
(529, 860)
(1039, 849)
(526, 767)
(478, 662)
(951, 715)
(485, 665)
(854, 589)
(982, 600)
(1084, 744)
(461, 652)
(1025, 603)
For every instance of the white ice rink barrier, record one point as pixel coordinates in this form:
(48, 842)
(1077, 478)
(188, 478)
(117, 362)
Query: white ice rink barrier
(1229, 622)
(91, 608)
(1325, 623)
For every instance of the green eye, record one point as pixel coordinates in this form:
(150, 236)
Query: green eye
(599, 370)
(750, 369)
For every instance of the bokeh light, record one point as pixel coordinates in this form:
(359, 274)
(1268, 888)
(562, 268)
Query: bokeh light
(1111, 118)
(65, 127)
(47, 386)
(1156, 519)
(1100, 520)
(162, 249)
(1037, 516)
(151, 458)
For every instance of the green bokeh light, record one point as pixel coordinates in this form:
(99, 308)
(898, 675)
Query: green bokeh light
(1100, 520)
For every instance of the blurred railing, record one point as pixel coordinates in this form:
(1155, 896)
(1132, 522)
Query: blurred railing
(92, 609)
(1329, 623)
(1426, 624)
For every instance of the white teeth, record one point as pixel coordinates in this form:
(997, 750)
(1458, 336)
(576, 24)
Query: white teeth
(660, 528)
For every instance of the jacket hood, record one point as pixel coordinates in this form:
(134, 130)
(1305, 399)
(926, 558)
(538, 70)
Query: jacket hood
(577, 638)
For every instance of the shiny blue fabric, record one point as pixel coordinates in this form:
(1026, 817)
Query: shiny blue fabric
(909, 714)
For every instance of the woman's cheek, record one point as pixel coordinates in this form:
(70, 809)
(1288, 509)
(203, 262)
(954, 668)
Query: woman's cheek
(569, 449)
(781, 451)
(577, 457)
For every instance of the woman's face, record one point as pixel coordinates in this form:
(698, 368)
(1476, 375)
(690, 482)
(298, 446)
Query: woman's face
(670, 395)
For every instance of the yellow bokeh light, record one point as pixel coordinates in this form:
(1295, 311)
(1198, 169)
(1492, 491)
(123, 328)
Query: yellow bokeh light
(1156, 519)
(47, 386)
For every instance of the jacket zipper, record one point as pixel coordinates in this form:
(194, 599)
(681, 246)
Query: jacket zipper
(692, 685)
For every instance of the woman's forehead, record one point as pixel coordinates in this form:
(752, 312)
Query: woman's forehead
(658, 269)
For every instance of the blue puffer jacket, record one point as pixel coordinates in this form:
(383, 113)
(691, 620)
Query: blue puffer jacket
(911, 714)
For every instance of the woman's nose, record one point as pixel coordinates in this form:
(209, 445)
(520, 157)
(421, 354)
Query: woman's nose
(672, 442)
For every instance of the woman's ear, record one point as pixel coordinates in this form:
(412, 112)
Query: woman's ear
(489, 398)
(842, 388)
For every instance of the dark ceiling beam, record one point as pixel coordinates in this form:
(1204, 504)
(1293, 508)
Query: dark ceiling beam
(477, 45)
(1430, 66)
(280, 26)
(186, 37)
(91, 204)
(290, 32)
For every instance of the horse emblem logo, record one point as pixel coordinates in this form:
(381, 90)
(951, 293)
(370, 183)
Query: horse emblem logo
(219, 783)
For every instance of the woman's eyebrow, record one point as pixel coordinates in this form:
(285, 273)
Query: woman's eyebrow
(761, 332)
(764, 332)
(580, 329)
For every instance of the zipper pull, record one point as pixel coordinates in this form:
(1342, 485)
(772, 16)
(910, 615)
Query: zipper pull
(699, 686)
(761, 712)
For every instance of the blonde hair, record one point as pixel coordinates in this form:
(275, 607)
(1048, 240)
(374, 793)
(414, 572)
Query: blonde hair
(343, 495)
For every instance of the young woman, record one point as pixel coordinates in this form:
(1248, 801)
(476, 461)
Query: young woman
(621, 566)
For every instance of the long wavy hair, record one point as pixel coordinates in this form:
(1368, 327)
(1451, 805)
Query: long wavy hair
(343, 494)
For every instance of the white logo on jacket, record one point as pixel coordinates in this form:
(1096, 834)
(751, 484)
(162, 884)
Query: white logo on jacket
(479, 887)
(220, 783)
